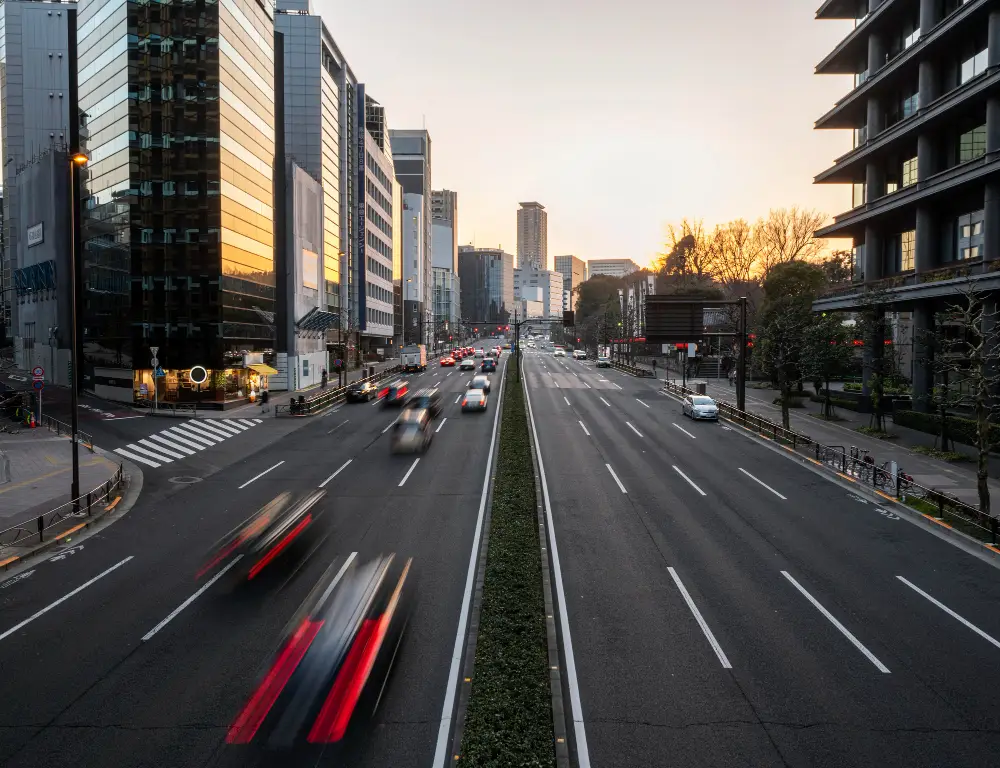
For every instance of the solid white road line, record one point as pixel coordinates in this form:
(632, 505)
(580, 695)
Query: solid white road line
(158, 456)
(64, 598)
(617, 385)
(441, 425)
(584, 428)
(330, 432)
(406, 477)
(762, 483)
(260, 475)
(854, 641)
(159, 449)
(390, 425)
(172, 445)
(616, 478)
(442, 757)
(685, 431)
(135, 457)
(342, 468)
(640, 402)
(191, 599)
(633, 428)
(576, 707)
(700, 619)
(690, 481)
(950, 612)
(182, 440)
(457, 399)
(605, 402)
(567, 400)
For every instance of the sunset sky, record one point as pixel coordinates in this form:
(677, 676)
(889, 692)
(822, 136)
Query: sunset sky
(619, 117)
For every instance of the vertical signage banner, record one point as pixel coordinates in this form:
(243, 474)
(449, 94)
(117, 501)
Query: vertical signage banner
(361, 204)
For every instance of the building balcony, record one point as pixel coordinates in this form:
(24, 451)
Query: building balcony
(837, 9)
(843, 59)
(852, 223)
(851, 110)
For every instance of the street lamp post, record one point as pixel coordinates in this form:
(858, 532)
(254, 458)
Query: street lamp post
(76, 160)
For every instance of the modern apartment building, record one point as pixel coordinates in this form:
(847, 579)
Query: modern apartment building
(532, 236)
(574, 272)
(924, 110)
(543, 285)
(412, 161)
(178, 239)
(611, 267)
(487, 285)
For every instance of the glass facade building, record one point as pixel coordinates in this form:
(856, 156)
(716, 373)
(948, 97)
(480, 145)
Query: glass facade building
(486, 277)
(178, 233)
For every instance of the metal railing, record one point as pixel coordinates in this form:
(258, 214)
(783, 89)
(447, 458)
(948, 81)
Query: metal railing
(61, 428)
(320, 402)
(861, 467)
(35, 530)
(635, 370)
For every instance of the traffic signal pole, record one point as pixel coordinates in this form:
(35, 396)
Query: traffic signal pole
(741, 370)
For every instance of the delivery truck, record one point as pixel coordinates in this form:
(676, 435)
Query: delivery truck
(414, 358)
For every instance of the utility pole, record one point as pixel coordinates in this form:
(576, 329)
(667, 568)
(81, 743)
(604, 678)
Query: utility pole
(741, 392)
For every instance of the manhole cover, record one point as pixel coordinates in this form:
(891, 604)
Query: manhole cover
(184, 480)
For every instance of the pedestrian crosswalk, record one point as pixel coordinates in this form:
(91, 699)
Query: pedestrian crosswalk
(183, 440)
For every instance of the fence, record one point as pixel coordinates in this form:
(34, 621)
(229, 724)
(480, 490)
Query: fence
(318, 403)
(60, 428)
(35, 531)
(861, 467)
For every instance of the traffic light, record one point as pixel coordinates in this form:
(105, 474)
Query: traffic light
(475, 330)
(450, 338)
(577, 341)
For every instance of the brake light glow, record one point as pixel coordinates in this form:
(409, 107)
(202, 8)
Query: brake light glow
(250, 530)
(465, 400)
(277, 548)
(249, 720)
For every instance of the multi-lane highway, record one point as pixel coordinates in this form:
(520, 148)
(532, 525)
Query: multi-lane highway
(729, 607)
(113, 656)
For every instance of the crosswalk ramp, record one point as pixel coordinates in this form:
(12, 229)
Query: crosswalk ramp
(184, 440)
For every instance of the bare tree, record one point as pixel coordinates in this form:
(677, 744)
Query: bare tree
(786, 234)
(882, 357)
(737, 249)
(687, 250)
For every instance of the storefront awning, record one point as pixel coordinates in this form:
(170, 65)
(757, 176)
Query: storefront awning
(261, 368)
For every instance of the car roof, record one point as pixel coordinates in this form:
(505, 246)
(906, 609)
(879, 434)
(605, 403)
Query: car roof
(413, 414)
(475, 393)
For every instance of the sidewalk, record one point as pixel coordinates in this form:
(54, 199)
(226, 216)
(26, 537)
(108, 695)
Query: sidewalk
(41, 473)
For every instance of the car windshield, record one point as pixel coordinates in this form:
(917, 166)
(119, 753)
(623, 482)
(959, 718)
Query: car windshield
(702, 401)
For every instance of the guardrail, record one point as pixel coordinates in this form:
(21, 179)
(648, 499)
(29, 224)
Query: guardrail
(634, 370)
(61, 428)
(35, 530)
(861, 467)
(320, 402)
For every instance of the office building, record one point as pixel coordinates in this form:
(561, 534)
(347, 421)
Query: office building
(529, 309)
(37, 94)
(532, 236)
(541, 285)
(178, 229)
(611, 267)
(446, 289)
(412, 162)
(924, 169)
(444, 229)
(574, 272)
(487, 286)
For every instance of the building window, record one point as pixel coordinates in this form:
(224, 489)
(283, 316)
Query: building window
(974, 66)
(858, 262)
(910, 172)
(860, 136)
(910, 105)
(907, 247)
(911, 38)
(972, 144)
(971, 230)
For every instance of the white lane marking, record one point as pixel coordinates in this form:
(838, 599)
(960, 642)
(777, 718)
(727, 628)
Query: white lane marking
(685, 431)
(449, 374)
(640, 402)
(762, 483)
(191, 599)
(260, 475)
(228, 426)
(700, 619)
(690, 481)
(406, 477)
(576, 707)
(249, 422)
(256, 421)
(196, 429)
(605, 402)
(442, 757)
(135, 457)
(436, 383)
(184, 440)
(617, 385)
(172, 445)
(629, 423)
(587, 385)
(441, 425)
(567, 400)
(457, 399)
(214, 430)
(832, 619)
(342, 468)
(156, 449)
(64, 598)
(950, 612)
(556, 383)
(196, 437)
(390, 426)
(584, 428)
(238, 424)
(330, 432)
(151, 454)
(604, 381)
(616, 478)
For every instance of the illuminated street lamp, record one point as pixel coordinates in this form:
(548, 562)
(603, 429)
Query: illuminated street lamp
(76, 160)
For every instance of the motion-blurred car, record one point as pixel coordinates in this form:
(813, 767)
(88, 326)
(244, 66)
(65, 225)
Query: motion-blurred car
(327, 676)
(468, 364)
(447, 362)
(474, 400)
(480, 382)
(395, 395)
(412, 431)
(603, 361)
(700, 407)
(429, 399)
(361, 392)
(489, 365)
(259, 539)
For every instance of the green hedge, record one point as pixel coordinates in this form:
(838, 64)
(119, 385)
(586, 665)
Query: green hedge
(960, 429)
(839, 402)
(509, 718)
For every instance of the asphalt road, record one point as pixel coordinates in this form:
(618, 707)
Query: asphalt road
(83, 687)
(703, 574)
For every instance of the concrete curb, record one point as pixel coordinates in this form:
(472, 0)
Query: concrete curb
(941, 530)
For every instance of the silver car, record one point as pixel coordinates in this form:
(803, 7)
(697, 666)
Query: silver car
(480, 382)
(700, 407)
(412, 431)
(474, 400)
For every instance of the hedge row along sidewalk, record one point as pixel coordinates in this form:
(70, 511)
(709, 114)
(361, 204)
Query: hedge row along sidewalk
(509, 717)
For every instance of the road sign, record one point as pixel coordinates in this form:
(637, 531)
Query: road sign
(158, 373)
(154, 351)
(154, 362)
(198, 374)
(38, 372)
(38, 384)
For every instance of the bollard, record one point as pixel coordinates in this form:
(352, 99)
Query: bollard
(41, 528)
(88, 503)
(993, 529)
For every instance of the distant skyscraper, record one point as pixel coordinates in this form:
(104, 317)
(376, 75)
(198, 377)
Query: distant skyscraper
(574, 272)
(444, 229)
(487, 284)
(532, 236)
(611, 267)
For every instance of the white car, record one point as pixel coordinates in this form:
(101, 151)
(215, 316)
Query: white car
(560, 352)
(700, 407)
(480, 352)
(467, 364)
(579, 354)
(603, 361)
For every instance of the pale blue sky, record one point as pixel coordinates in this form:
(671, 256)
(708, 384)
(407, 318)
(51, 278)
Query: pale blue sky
(617, 116)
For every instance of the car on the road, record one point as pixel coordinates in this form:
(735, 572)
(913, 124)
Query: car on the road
(395, 395)
(468, 364)
(474, 400)
(480, 352)
(429, 399)
(412, 431)
(603, 361)
(361, 392)
(579, 354)
(489, 365)
(480, 382)
(447, 362)
(559, 352)
(700, 407)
